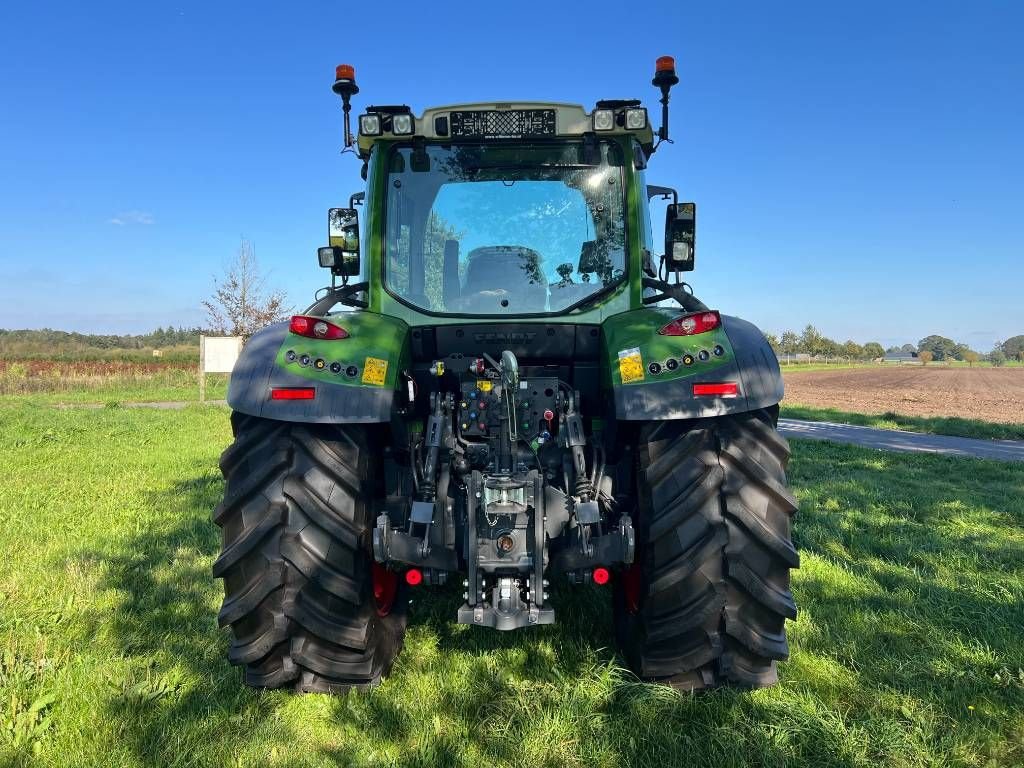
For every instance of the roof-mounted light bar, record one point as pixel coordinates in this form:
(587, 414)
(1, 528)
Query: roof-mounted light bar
(610, 115)
(377, 121)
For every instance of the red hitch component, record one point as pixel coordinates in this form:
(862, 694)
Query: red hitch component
(316, 328)
(723, 389)
(601, 576)
(385, 587)
(292, 393)
(633, 586)
(692, 324)
(414, 577)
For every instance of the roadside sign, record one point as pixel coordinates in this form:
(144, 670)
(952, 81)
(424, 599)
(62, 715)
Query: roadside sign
(217, 354)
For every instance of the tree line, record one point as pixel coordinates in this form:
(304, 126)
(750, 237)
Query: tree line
(50, 344)
(813, 342)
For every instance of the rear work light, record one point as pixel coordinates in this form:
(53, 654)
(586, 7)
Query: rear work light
(604, 119)
(369, 125)
(723, 389)
(692, 324)
(316, 328)
(293, 393)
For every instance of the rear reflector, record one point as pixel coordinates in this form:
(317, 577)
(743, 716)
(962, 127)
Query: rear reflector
(292, 393)
(601, 576)
(414, 577)
(725, 389)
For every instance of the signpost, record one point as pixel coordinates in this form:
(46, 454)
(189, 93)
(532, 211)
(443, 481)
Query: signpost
(217, 354)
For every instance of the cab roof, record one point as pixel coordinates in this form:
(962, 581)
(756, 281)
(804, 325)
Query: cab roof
(503, 120)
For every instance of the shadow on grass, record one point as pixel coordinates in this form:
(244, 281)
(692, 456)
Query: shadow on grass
(910, 594)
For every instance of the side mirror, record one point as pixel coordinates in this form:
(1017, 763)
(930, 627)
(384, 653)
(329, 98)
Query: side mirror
(342, 255)
(680, 230)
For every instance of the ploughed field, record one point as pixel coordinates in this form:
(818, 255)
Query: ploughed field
(985, 394)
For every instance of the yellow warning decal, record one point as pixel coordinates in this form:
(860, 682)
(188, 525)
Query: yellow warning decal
(484, 385)
(631, 365)
(374, 370)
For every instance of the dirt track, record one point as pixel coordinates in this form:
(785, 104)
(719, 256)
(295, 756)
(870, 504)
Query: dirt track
(989, 394)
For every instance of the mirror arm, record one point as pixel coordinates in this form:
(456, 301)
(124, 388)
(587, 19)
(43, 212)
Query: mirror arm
(343, 295)
(687, 301)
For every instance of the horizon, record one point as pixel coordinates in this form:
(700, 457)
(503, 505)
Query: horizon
(886, 138)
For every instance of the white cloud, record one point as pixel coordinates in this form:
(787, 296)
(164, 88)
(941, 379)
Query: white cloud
(132, 217)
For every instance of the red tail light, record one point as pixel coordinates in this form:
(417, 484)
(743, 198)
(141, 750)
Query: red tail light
(414, 577)
(601, 576)
(692, 324)
(292, 393)
(316, 328)
(723, 389)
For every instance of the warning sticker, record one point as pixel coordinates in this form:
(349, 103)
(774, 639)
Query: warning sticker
(484, 385)
(631, 365)
(374, 370)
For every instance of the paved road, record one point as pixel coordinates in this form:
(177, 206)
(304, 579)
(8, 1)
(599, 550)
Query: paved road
(897, 440)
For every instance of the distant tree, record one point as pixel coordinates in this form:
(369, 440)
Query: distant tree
(853, 350)
(925, 356)
(873, 350)
(997, 357)
(241, 305)
(971, 357)
(811, 341)
(940, 347)
(959, 351)
(1014, 347)
(789, 343)
(773, 342)
(908, 348)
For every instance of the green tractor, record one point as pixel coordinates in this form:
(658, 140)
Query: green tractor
(506, 384)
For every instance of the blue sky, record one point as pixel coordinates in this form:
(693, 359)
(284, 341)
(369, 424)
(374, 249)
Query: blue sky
(856, 165)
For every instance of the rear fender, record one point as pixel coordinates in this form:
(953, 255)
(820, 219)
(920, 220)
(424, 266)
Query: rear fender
(661, 386)
(355, 379)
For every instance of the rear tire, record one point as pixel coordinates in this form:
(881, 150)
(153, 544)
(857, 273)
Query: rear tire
(296, 559)
(707, 599)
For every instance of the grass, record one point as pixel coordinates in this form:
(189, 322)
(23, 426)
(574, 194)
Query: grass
(807, 367)
(936, 425)
(908, 650)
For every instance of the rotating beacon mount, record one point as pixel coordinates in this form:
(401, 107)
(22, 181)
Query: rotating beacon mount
(345, 86)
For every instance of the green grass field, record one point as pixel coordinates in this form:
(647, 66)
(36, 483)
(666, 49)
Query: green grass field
(937, 425)
(908, 651)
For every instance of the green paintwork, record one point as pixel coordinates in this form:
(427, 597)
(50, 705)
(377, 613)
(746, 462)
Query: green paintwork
(370, 335)
(639, 330)
(626, 322)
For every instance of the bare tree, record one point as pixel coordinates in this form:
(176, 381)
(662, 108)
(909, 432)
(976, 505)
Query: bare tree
(240, 304)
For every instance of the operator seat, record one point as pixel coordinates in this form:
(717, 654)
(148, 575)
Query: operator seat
(512, 274)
